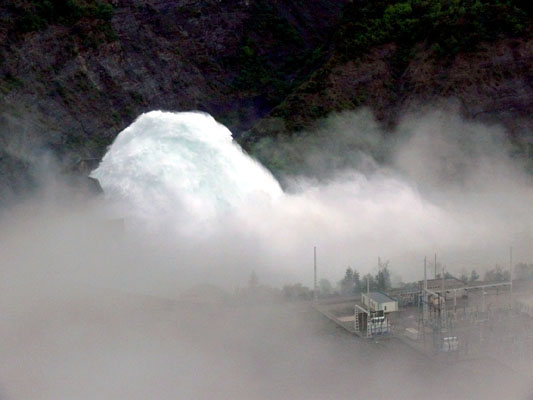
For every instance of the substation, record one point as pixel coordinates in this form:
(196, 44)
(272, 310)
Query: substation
(371, 318)
(445, 319)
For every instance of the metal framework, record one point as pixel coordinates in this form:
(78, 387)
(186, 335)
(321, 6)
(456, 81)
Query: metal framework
(375, 322)
(433, 313)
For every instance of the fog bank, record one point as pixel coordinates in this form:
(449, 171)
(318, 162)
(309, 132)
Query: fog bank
(91, 288)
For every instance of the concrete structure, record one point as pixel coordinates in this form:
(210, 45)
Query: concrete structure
(370, 323)
(377, 301)
(370, 318)
(449, 344)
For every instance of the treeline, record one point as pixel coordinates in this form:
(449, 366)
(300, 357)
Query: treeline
(449, 26)
(353, 284)
(523, 271)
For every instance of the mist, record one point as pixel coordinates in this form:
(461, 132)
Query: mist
(92, 289)
(444, 185)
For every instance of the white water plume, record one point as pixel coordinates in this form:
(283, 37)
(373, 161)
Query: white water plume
(225, 214)
(181, 164)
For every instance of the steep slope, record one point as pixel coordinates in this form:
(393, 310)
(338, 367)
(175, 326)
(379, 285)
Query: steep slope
(73, 77)
(73, 73)
(494, 83)
(402, 57)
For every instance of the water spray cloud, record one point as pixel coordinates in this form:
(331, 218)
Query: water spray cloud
(181, 173)
(181, 163)
(79, 315)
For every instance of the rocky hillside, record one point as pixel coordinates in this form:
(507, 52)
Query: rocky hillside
(73, 73)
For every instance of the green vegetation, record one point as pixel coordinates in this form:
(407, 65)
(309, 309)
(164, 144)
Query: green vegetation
(137, 97)
(10, 82)
(445, 26)
(497, 274)
(272, 55)
(523, 271)
(474, 276)
(297, 292)
(38, 14)
(352, 283)
(449, 26)
(257, 75)
(116, 117)
(60, 89)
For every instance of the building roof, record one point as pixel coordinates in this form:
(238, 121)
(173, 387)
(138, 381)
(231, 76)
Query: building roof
(379, 297)
(449, 283)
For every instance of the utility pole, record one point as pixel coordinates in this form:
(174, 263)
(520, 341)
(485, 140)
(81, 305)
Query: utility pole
(443, 294)
(511, 273)
(425, 294)
(315, 294)
(435, 266)
(378, 275)
(442, 280)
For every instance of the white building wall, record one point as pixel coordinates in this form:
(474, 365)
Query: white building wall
(391, 306)
(373, 305)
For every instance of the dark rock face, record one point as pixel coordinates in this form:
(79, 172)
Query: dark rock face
(74, 89)
(68, 88)
(494, 83)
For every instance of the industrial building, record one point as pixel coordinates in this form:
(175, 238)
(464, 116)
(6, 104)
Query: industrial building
(370, 318)
(377, 301)
(436, 284)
